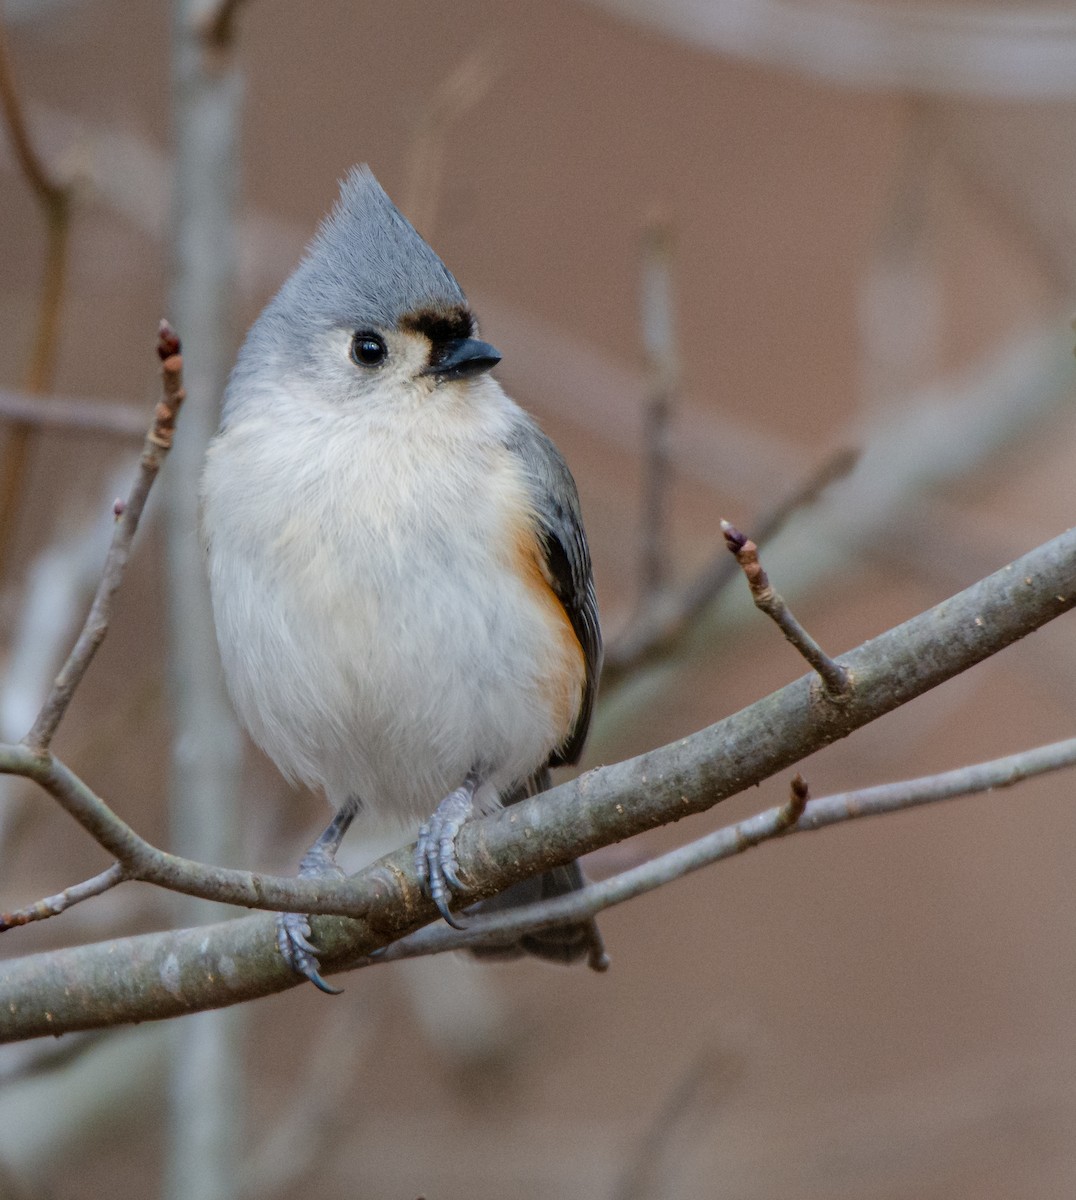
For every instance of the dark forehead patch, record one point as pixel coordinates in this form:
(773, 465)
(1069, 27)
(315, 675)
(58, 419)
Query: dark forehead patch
(439, 324)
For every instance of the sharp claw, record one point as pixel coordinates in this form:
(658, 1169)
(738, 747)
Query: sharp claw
(435, 852)
(299, 952)
(449, 916)
(436, 889)
(300, 942)
(320, 983)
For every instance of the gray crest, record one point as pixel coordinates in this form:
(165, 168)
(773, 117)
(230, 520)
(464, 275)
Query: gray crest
(367, 265)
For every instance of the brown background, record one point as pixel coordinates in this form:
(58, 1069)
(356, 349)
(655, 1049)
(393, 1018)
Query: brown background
(882, 1010)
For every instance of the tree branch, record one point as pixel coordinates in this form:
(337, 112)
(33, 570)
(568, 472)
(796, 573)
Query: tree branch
(768, 600)
(52, 906)
(797, 816)
(216, 27)
(128, 513)
(163, 975)
(107, 418)
(669, 616)
(54, 199)
(663, 381)
(49, 191)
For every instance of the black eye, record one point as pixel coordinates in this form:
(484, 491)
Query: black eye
(368, 350)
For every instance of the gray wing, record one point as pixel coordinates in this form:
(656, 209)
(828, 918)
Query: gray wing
(567, 558)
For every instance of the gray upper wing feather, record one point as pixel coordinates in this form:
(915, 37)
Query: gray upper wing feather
(560, 527)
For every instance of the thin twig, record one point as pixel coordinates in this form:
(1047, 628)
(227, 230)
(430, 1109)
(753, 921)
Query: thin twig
(662, 367)
(658, 629)
(144, 862)
(52, 906)
(463, 88)
(798, 795)
(796, 816)
(157, 444)
(50, 192)
(28, 1061)
(107, 418)
(217, 26)
(837, 679)
(54, 200)
(318, 1110)
(642, 1178)
(1044, 246)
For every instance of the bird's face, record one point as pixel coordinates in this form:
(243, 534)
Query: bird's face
(367, 365)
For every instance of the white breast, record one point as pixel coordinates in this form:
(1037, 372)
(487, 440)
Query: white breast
(378, 634)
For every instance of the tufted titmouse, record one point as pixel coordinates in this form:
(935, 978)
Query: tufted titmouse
(401, 583)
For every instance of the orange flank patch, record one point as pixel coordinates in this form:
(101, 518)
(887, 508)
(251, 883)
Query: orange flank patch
(565, 677)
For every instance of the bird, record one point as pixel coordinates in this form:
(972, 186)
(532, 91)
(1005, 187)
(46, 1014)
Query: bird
(400, 579)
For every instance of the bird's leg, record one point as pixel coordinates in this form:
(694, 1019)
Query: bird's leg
(435, 853)
(293, 929)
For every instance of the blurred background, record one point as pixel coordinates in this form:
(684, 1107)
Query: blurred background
(718, 243)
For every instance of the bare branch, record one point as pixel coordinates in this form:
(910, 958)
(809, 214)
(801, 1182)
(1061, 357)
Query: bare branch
(50, 192)
(59, 586)
(797, 816)
(929, 440)
(836, 678)
(107, 418)
(217, 27)
(167, 974)
(657, 629)
(659, 342)
(157, 444)
(52, 906)
(22, 1062)
(207, 93)
(54, 200)
(453, 98)
(1047, 252)
(318, 1111)
(144, 862)
(642, 1178)
(971, 50)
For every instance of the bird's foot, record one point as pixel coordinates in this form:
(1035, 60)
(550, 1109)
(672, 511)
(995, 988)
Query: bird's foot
(297, 950)
(435, 853)
(293, 929)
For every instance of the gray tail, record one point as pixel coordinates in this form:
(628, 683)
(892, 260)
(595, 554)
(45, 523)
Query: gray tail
(565, 944)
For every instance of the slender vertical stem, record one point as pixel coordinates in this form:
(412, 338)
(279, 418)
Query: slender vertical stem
(54, 200)
(659, 345)
(206, 1071)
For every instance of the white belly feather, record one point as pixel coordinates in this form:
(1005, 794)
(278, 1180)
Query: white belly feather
(377, 636)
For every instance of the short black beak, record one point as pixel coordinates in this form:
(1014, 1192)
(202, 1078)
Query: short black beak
(461, 358)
